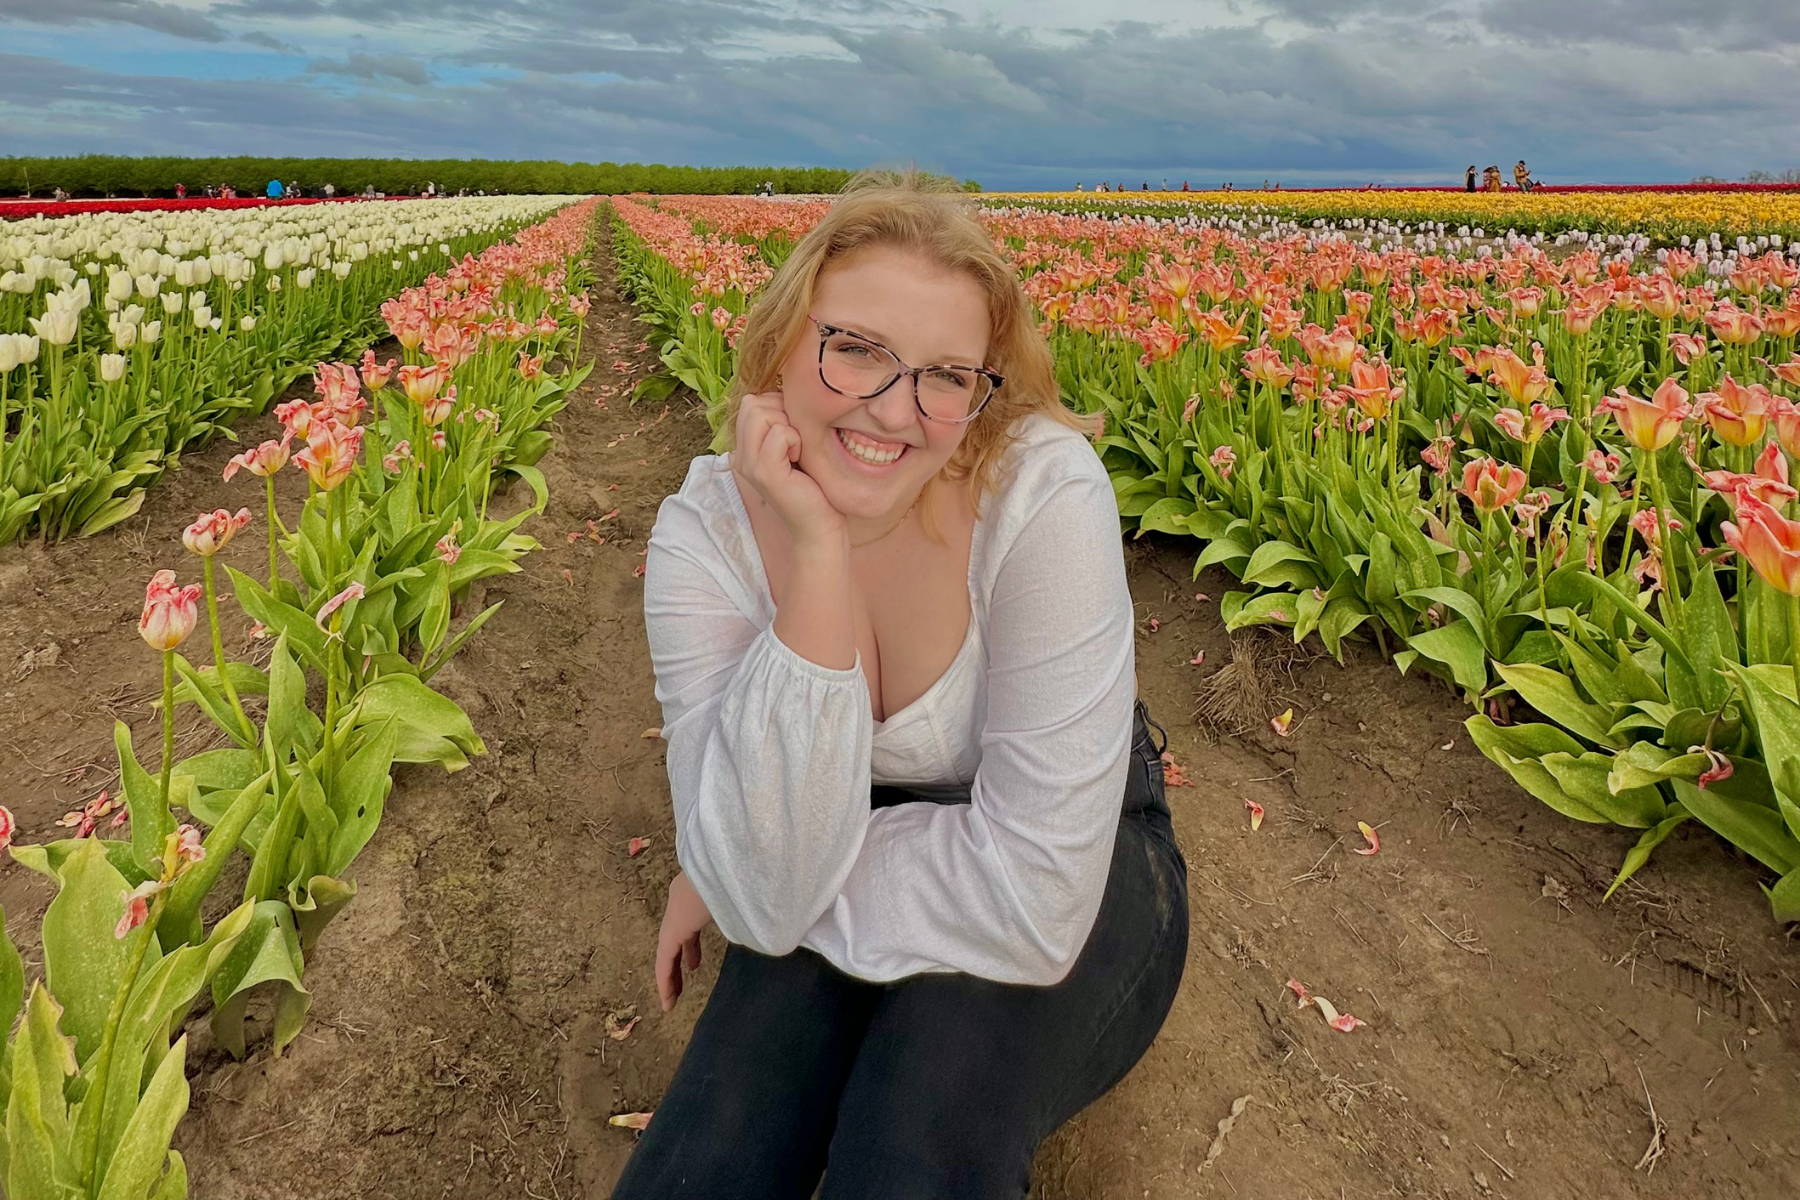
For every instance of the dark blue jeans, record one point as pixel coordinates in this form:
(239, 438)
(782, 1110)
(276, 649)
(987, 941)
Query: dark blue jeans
(936, 1086)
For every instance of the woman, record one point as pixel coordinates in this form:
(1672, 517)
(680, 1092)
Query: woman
(893, 645)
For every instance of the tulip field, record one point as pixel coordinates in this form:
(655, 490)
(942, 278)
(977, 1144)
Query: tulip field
(1549, 465)
(127, 339)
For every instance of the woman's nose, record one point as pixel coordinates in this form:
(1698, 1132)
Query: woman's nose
(896, 408)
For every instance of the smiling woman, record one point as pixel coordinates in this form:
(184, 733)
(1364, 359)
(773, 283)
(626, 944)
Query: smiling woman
(909, 782)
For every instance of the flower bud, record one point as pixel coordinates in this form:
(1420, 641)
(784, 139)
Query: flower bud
(112, 368)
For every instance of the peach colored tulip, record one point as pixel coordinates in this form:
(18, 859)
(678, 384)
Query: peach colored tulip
(1223, 459)
(1733, 326)
(1371, 389)
(1660, 295)
(1768, 483)
(354, 592)
(296, 417)
(210, 531)
(1687, 346)
(1654, 423)
(1529, 428)
(1736, 413)
(1439, 454)
(1517, 378)
(264, 460)
(330, 454)
(1788, 372)
(169, 611)
(1768, 541)
(530, 366)
(375, 374)
(1602, 466)
(1264, 365)
(1491, 485)
(1784, 415)
(422, 383)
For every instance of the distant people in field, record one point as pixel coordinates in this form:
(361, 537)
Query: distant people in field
(1469, 178)
(181, 191)
(1490, 179)
(274, 190)
(1184, 185)
(1522, 176)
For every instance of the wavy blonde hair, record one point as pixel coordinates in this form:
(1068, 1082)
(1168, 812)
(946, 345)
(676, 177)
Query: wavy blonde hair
(909, 211)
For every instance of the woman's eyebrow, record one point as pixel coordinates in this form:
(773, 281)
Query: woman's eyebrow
(938, 361)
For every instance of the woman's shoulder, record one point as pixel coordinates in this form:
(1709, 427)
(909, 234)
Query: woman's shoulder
(703, 508)
(1046, 454)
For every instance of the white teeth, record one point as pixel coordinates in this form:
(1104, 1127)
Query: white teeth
(873, 457)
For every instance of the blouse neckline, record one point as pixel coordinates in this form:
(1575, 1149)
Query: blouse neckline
(754, 553)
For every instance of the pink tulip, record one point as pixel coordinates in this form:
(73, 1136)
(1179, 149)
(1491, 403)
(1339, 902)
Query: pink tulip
(374, 375)
(1602, 466)
(353, 592)
(296, 416)
(447, 550)
(422, 383)
(211, 531)
(1519, 379)
(264, 460)
(1490, 485)
(1734, 326)
(530, 366)
(8, 827)
(1439, 454)
(1768, 483)
(1687, 346)
(1736, 413)
(1529, 429)
(1223, 459)
(169, 611)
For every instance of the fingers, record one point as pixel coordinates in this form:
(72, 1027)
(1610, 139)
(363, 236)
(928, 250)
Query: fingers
(668, 974)
(690, 953)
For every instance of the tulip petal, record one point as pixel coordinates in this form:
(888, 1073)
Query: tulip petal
(1256, 814)
(635, 1120)
(1368, 831)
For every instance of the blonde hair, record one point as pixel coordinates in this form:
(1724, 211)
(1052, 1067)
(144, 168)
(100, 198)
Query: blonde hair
(908, 211)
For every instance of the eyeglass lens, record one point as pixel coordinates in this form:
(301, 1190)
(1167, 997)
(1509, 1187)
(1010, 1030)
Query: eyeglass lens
(859, 368)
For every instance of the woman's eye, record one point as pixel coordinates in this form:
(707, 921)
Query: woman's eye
(951, 379)
(852, 350)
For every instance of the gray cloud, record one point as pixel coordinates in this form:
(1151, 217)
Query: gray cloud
(163, 18)
(1302, 90)
(374, 66)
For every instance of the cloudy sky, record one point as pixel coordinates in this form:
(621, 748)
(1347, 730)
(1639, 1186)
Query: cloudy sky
(1016, 93)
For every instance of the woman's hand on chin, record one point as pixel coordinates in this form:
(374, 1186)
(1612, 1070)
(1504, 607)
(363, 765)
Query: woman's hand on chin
(678, 945)
(767, 457)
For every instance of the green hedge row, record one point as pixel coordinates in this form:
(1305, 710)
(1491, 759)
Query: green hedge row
(109, 175)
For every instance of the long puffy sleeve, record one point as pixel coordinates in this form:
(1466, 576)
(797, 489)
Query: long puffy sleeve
(768, 753)
(1008, 886)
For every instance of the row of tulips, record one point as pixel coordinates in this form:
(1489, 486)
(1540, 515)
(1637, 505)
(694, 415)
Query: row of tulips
(1558, 482)
(1668, 216)
(364, 586)
(125, 337)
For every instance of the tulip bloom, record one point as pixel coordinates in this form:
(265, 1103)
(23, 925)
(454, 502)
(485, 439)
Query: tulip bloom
(1733, 326)
(353, 592)
(1654, 423)
(1439, 455)
(1604, 467)
(330, 454)
(265, 460)
(1768, 541)
(530, 366)
(1223, 459)
(1519, 379)
(296, 417)
(170, 612)
(1490, 485)
(1333, 351)
(8, 827)
(1687, 346)
(1768, 483)
(1370, 388)
(1736, 413)
(1264, 365)
(1529, 428)
(1784, 415)
(211, 531)
(373, 373)
(422, 383)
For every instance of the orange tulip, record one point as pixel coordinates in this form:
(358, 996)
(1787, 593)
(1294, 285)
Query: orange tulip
(1654, 423)
(1660, 295)
(1219, 332)
(1370, 387)
(1733, 326)
(1785, 417)
(1528, 428)
(1768, 541)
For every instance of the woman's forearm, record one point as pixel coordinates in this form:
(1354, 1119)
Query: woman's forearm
(815, 619)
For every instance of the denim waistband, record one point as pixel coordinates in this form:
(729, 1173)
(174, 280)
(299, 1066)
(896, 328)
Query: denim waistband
(1144, 793)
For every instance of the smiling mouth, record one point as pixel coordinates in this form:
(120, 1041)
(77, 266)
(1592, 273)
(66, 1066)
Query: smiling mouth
(869, 450)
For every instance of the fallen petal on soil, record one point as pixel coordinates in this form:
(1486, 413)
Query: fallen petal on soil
(1256, 814)
(1368, 831)
(636, 846)
(1283, 723)
(637, 1120)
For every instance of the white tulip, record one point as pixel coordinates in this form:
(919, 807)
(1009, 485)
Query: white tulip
(304, 279)
(151, 332)
(112, 368)
(274, 284)
(246, 323)
(57, 328)
(341, 270)
(124, 336)
(9, 352)
(28, 349)
(216, 324)
(118, 287)
(202, 316)
(172, 301)
(148, 285)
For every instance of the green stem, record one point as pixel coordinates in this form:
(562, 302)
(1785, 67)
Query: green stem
(218, 648)
(115, 1017)
(168, 725)
(1793, 607)
(274, 567)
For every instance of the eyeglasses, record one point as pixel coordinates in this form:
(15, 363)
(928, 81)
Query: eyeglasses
(862, 368)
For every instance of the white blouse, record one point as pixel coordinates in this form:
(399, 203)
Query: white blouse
(771, 756)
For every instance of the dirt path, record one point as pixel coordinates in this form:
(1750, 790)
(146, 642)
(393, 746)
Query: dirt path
(459, 1047)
